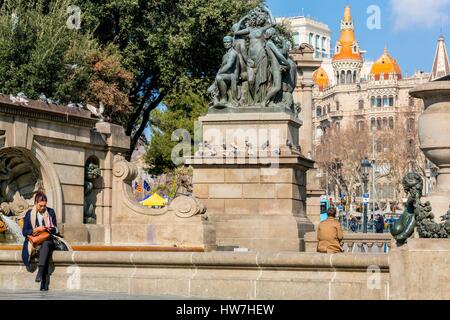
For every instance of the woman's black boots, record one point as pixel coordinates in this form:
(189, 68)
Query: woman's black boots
(45, 282)
(39, 274)
(45, 278)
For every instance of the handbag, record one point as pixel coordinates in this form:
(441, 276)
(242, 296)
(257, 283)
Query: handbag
(39, 239)
(60, 244)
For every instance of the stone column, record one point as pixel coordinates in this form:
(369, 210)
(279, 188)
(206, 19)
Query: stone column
(303, 94)
(306, 65)
(306, 140)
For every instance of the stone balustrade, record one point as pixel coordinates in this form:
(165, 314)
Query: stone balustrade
(371, 243)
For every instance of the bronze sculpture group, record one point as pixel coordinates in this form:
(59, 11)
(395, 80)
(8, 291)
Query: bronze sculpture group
(418, 215)
(256, 70)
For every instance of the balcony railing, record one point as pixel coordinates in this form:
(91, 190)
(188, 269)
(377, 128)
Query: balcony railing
(356, 242)
(337, 113)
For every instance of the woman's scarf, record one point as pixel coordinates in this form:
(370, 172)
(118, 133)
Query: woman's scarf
(47, 219)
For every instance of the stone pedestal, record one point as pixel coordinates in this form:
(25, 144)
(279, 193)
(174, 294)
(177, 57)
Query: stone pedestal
(253, 181)
(420, 270)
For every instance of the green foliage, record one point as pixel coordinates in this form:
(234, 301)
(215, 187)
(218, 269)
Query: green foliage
(185, 105)
(37, 48)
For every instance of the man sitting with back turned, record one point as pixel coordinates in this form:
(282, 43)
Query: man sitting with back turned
(330, 234)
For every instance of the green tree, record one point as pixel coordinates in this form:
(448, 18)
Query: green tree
(184, 106)
(37, 50)
(163, 42)
(39, 53)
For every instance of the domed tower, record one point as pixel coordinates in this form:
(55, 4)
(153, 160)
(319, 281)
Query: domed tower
(321, 79)
(385, 68)
(347, 60)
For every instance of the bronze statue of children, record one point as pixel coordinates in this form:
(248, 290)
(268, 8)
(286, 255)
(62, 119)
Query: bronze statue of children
(278, 64)
(227, 76)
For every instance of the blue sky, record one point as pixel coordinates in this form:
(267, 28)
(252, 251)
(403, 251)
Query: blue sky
(409, 28)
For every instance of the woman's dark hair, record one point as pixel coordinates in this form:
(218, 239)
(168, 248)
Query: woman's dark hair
(39, 197)
(332, 212)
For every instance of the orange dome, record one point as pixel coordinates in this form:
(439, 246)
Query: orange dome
(386, 65)
(349, 49)
(321, 78)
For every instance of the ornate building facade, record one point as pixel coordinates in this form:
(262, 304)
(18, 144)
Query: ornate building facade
(349, 91)
(359, 92)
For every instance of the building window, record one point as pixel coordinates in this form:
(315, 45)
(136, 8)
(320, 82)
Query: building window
(385, 101)
(337, 106)
(311, 39)
(391, 101)
(373, 102)
(296, 37)
(373, 123)
(349, 77)
(361, 104)
(391, 123)
(354, 76)
(342, 77)
(328, 109)
(379, 101)
(317, 42)
(385, 123)
(337, 77)
(319, 111)
(324, 46)
(379, 124)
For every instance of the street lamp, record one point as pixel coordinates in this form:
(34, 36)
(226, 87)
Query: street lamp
(338, 166)
(365, 169)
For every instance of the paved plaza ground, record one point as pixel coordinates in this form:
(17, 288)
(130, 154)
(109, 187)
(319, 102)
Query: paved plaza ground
(66, 295)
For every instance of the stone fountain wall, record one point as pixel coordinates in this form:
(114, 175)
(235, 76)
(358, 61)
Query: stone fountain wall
(57, 142)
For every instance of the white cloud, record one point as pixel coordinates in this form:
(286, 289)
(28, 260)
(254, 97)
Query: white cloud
(419, 14)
